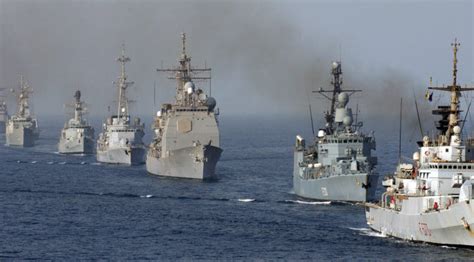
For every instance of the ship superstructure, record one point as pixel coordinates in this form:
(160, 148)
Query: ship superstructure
(77, 136)
(431, 199)
(339, 164)
(3, 111)
(186, 142)
(22, 128)
(121, 139)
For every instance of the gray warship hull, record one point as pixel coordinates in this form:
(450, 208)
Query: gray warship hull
(197, 162)
(359, 187)
(20, 136)
(336, 188)
(453, 226)
(82, 146)
(125, 156)
(2, 127)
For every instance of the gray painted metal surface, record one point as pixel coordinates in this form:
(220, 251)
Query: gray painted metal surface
(339, 164)
(77, 136)
(186, 141)
(121, 140)
(3, 115)
(22, 129)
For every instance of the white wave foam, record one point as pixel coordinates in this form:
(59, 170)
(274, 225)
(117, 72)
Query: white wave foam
(360, 228)
(83, 163)
(62, 163)
(368, 232)
(50, 162)
(96, 164)
(34, 162)
(309, 202)
(246, 200)
(147, 196)
(448, 247)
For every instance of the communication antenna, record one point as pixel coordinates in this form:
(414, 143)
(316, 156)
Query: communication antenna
(400, 134)
(311, 115)
(418, 114)
(467, 113)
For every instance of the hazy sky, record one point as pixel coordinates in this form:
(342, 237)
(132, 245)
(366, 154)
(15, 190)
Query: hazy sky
(265, 55)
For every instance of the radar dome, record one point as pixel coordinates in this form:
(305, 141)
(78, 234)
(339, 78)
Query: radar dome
(211, 103)
(457, 130)
(189, 87)
(347, 120)
(321, 133)
(343, 98)
(416, 156)
(335, 65)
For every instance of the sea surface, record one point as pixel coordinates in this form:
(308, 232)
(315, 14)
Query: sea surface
(58, 207)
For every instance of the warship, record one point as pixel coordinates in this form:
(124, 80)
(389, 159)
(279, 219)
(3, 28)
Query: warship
(77, 136)
(121, 139)
(338, 165)
(431, 199)
(22, 128)
(186, 141)
(3, 112)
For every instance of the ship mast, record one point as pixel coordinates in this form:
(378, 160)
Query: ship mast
(450, 114)
(78, 106)
(122, 85)
(23, 96)
(336, 83)
(183, 74)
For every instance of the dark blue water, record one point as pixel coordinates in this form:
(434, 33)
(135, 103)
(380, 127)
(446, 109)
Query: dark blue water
(70, 207)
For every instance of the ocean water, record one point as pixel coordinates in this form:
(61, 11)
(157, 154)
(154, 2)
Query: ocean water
(71, 207)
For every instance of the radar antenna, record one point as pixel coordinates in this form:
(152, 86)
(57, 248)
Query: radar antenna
(122, 85)
(336, 82)
(183, 74)
(450, 114)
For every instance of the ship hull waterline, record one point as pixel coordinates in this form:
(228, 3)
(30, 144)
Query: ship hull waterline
(85, 146)
(345, 188)
(352, 187)
(453, 226)
(183, 163)
(126, 156)
(20, 137)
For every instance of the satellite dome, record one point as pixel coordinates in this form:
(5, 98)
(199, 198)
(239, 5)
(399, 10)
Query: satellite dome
(335, 65)
(347, 120)
(416, 156)
(321, 133)
(343, 98)
(158, 113)
(189, 87)
(211, 103)
(457, 130)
